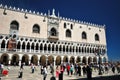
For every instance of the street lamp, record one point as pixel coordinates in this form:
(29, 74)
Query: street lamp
(99, 53)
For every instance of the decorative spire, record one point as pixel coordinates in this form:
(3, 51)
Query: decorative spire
(53, 12)
(58, 14)
(48, 12)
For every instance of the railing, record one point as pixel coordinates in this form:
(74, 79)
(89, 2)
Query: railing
(46, 52)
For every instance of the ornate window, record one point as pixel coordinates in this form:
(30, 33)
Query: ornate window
(36, 29)
(84, 35)
(64, 25)
(53, 32)
(71, 26)
(68, 33)
(14, 25)
(96, 37)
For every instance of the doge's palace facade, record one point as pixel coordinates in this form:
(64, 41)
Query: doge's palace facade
(33, 37)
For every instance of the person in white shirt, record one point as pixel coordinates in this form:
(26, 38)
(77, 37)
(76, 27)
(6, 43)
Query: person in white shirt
(44, 73)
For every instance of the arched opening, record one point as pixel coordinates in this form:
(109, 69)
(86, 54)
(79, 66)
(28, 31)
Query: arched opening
(49, 47)
(78, 60)
(53, 47)
(3, 44)
(53, 32)
(45, 47)
(42, 60)
(37, 47)
(95, 60)
(84, 35)
(56, 47)
(15, 60)
(72, 59)
(34, 59)
(58, 60)
(32, 47)
(89, 60)
(14, 25)
(50, 60)
(41, 47)
(96, 37)
(68, 33)
(18, 45)
(23, 46)
(36, 28)
(84, 60)
(28, 47)
(25, 59)
(4, 59)
(65, 59)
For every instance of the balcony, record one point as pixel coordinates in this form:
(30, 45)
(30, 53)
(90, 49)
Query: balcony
(53, 38)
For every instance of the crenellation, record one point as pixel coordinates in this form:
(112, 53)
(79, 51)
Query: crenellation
(22, 10)
(5, 7)
(41, 14)
(26, 11)
(1, 5)
(38, 13)
(30, 11)
(34, 12)
(18, 9)
(14, 8)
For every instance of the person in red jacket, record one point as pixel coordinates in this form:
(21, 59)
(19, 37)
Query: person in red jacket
(68, 68)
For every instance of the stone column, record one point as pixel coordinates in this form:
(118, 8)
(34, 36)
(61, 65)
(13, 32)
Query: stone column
(19, 62)
(9, 61)
(20, 48)
(75, 50)
(54, 62)
(38, 62)
(61, 60)
(5, 47)
(29, 62)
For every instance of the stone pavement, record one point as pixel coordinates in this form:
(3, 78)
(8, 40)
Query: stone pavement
(27, 75)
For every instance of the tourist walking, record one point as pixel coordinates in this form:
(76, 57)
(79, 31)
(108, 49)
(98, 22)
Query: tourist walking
(44, 73)
(71, 70)
(79, 70)
(33, 68)
(68, 68)
(61, 72)
(57, 73)
(84, 70)
(89, 72)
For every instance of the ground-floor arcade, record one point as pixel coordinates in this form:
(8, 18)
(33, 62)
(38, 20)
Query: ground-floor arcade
(18, 58)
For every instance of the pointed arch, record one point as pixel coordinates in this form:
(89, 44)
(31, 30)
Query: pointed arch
(23, 45)
(49, 47)
(15, 59)
(25, 59)
(36, 28)
(65, 25)
(3, 44)
(68, 33)
(14, 25)
(18, 45)
(84, 35)
(53, 32)
(4, 59)
(97, 37)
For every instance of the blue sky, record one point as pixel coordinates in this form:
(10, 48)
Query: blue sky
(94, 11)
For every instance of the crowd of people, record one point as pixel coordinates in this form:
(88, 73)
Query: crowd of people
(71, 69)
